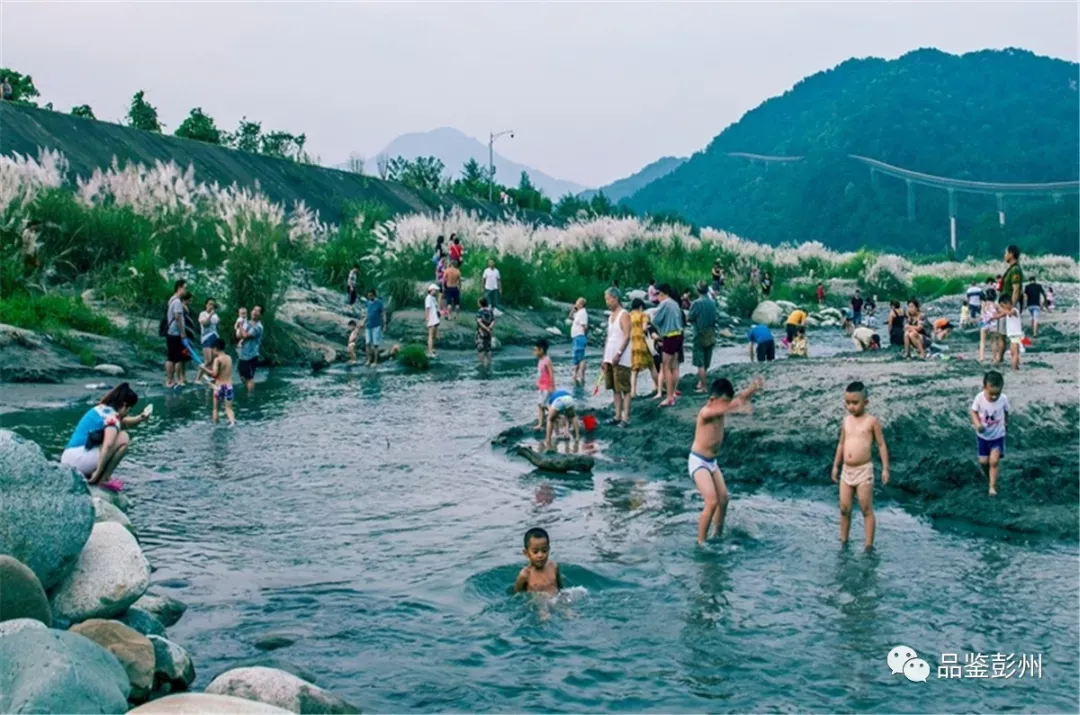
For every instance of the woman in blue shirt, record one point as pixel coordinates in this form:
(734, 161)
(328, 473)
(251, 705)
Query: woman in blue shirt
(99, 442)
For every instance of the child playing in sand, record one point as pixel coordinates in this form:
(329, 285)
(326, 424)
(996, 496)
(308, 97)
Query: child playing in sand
(857, 432)
(545, 380)
(221, 371)
(800, 347)
(989, 416)
(708, 436)
(238, 326)
(561, 409)
(541, 575)
(354, 336)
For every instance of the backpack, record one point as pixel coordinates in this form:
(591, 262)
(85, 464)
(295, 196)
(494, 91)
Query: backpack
(163, 326)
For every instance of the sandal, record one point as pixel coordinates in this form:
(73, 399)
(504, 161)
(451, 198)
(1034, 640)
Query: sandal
(113, 485)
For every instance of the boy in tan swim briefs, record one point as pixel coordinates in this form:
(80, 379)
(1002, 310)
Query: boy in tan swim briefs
(857, 433)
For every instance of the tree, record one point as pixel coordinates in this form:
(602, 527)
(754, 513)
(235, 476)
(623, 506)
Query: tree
(527, 196)
(246, 137)
(570, 206)
(424, 173)
(142, 114)
(382, 165)
(356, 164)
(601, 205)
(200, 127)
(282, 145)
(84, 111)
(22, 86)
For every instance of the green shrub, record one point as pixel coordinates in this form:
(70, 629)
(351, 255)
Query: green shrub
(52, 313)
(742, 299)
(518, 288)
(414, 357)
(931, 287)
(256, 275)
(400, 293)
(87, 357)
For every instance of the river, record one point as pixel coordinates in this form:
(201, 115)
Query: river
(365, 515)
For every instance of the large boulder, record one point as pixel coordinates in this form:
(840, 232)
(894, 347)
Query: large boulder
(166, 609)
(18, 624)
(110, 575)
(270, 661)
(276, 687)
(786, 306)
(204, 704)
(768, 313)
(45, 512)
(105, 511)
(21, 594)
(557, 461)
(51, 671)
(173, 669)
(142, 621)
(134, 651)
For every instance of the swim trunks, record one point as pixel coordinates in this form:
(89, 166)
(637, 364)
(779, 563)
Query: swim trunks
(579, 349)
(453, 295)
(224, 391)
(857, 475)
(247, 368)
(986, 446)
(672, 344)
(696, 462)
(617, 376)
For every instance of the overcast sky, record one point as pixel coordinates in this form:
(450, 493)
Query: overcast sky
(594, 91)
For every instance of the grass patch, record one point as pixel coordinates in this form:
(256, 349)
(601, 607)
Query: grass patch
(931, 287)
(414, 358)
(52, 313)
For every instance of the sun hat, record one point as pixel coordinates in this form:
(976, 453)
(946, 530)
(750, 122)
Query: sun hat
(433, 287)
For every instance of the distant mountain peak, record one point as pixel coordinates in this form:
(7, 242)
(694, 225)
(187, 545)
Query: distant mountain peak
(454, 148)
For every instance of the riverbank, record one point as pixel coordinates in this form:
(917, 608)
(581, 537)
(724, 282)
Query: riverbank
(789, 442)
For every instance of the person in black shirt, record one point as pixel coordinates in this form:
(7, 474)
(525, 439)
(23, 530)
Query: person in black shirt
(856, 307)
(1034, 299)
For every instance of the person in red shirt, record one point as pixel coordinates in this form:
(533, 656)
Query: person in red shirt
(456, 249)
(820, 294)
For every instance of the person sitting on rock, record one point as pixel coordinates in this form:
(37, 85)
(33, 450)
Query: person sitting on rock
(99, 441)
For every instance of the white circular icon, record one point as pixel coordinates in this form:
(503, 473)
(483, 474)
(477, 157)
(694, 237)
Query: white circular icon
(917, 670)
(898, 656)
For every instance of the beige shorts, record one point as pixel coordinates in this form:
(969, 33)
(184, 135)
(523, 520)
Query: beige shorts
(857, 475)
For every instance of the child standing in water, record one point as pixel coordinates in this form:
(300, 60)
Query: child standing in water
(708, 436)
(545, 380)
(221, 371)
(541, 575)
(857, 432)
(989, 415)
(354, 336)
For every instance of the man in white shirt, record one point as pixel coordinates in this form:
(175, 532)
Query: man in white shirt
(431, 317)
(578, 327)
(492, 284)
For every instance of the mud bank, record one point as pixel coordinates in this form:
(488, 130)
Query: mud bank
(788, 442)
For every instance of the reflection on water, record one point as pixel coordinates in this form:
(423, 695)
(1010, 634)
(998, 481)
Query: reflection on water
(365, 514)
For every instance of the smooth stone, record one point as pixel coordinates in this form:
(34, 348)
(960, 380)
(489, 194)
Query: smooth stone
(172, 664)
(768, 313)
(51, 671)
(274, 641)
(117, 499)
(554, 331)
(204, 704)
(18, 624)
(277, 687)
(142, 621)
(107, 369)
(272, 662)
(45, 513)
(134, 650)
(105, 511)
(110, 575)
(21, 594)
(166, 609)
(173, 583)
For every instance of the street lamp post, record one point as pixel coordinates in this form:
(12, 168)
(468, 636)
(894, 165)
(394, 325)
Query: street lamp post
(491, 160)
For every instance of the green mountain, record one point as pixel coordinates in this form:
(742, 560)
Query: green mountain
(989, 116)
(624, 187)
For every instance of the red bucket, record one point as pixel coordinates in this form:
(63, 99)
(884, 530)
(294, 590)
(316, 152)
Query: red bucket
(588, 422)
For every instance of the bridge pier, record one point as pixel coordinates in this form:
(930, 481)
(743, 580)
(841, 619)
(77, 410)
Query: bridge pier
(1001, 209)
(910, 201)
(952, 220)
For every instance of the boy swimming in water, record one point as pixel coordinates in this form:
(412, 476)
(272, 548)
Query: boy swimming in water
(541, 575)
(989, 416)
(561, 408)
(221, 371)
(857, 432)
(708, 436)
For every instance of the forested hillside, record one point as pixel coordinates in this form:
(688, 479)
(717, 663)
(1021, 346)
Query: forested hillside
(1005, 116)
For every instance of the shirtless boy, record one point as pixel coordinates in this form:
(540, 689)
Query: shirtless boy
(708, 436)
(354, 337)
(857, 432)
(221, 370)
(541, 575)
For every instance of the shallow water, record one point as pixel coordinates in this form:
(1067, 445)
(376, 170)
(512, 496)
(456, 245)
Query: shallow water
(366, 515)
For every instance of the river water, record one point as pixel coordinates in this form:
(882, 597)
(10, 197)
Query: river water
(366, 516)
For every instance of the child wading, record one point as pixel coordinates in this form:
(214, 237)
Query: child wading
(857, 433)
(708, 436)
(545, 380)
(989, 415)
(221, 371)
(541, 575)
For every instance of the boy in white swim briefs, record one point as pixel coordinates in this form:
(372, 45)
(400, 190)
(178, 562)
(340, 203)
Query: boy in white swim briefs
(858, 431)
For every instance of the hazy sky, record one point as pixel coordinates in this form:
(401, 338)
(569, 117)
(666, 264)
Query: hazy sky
(593, 90)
